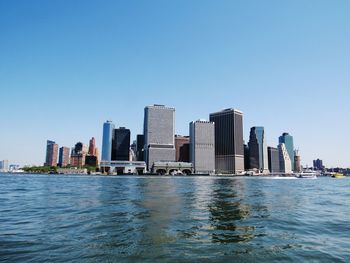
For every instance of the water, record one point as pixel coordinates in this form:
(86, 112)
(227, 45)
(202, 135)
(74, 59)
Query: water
(53, 218)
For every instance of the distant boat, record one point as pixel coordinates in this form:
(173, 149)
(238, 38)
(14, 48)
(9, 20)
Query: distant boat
(306, 175)
(338, 175)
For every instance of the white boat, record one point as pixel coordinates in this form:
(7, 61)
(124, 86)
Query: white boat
(306, 174)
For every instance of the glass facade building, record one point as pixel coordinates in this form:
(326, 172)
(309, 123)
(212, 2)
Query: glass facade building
(287, 139)
(273, 160)
(121, 145)
(258, 157)
(229, 149)
(107, 138)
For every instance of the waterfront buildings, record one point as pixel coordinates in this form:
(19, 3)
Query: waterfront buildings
(318, 164)
(107, 138)
(92, 146)
(79, 152)
(258, 157)
(285, 163)
(63, 159)
(246, 157)
(182, 147)
(202, 146)
(51, 153)
(140, 144)
(297, 161)
(273, 160)
(159, 134)
(4, 166)
(287, 139)
(121, 144)
(229, 151)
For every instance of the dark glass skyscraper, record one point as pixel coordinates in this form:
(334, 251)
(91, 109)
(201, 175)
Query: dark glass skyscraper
(273, 160)
(258, 149)
(121, 144)
(140, 143)
(287, 139)
(229, 150)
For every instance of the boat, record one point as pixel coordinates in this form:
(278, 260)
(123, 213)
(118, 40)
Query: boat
(306, 175)
(338, 175)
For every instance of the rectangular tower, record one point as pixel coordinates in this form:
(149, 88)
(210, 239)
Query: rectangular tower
(229, 150)
(51, 153)
(202, 146)
(121, 144)
(159, 133)
(273, 160)
(63, 159)
(107, 137)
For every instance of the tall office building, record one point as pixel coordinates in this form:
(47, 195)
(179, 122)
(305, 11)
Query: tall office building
(297, 161)
(159, 134)
(92, 146)
(63, 159)
(121, 144)
(273, 160)
(318, 164)
(202, 146)
(4, 166)
(51, 153)
(140, 144)
(246, 157)
(287, 139)
(229, 149)
(107, 137)
(285, 162)
(258, 157)
(182, 147)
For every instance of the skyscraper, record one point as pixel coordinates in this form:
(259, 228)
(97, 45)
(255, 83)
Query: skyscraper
(182, 146)
(297, 162)
(121, 144)
(273, 160)
(107, 138)
(285, 163)
(229, 150)
(78, 155)
(287, 139)
(318, 164)
(159, 133)
(63, 159)
(258, 157)
(202, 146)
(140, 144)
(51, 153)
(92, 146)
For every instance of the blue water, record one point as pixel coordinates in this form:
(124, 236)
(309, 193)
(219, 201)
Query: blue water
(56, 218)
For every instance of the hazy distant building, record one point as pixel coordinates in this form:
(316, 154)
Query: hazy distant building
(92, 146)
(297, 162)
(229, 151)
(287, 139)
(107, 137)
(51, 153)
(318, 164)
(182, 147)
(258, 158)
(140, 144)
(4, 166)
(121, 144)
(202, 146)
(63, 159)
(285, 163)
(246, 157)
(273, 160)
(159, 132)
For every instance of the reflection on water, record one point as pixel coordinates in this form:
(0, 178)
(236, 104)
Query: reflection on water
(173, 219)
(228, 213)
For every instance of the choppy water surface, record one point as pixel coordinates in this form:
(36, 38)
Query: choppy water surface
(51, 218)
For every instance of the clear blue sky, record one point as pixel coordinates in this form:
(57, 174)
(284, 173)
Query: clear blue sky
(67, 66)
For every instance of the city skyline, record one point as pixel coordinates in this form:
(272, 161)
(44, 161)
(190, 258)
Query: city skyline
(65, 65)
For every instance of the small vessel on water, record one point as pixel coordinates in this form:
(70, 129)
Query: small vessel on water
(338, 175)
(306, 175)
